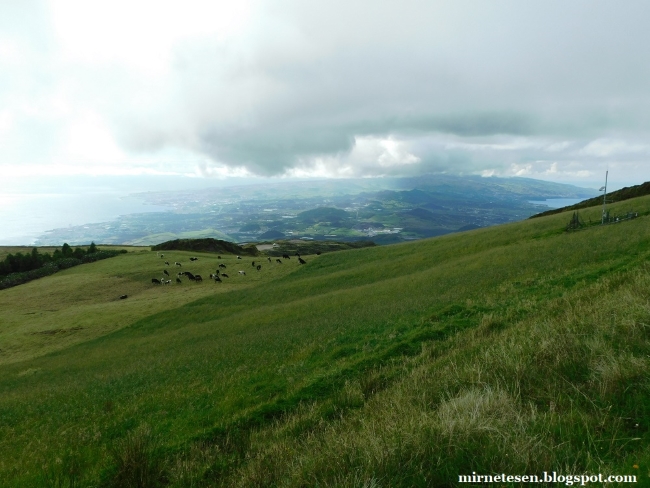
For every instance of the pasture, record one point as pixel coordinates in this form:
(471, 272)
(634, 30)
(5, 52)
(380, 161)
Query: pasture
(519, 348)
(81, 303)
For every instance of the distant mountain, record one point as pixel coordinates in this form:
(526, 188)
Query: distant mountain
(473, 186)
(423, 214)
(271, 234)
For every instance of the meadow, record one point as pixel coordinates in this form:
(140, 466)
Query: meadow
(520, 349)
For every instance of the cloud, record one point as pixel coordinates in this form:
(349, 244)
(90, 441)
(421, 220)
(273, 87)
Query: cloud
(549, 89)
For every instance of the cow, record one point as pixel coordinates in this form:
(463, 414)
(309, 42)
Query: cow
(162, 256)
(243, 273)
(286, 256)
(258, 267)
(302, 261)
(224, 275)
(317, 253)
(194, 259)
(217, 279)
(218, 257)
(178, 280)
(177, 263)
(198, 278)
(122, 297)
(238, 257)
(156, 281)
(222, 266)
(189, 275)
(168, 282)
(167, 263)
(253, 264)
(269, 259)
(279, 261)
(165, 271)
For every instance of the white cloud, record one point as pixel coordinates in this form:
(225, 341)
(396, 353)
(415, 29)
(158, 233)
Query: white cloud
(235, 89)
(603, 148)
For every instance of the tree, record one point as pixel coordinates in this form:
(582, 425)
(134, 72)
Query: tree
(92, 248)
(66, 250)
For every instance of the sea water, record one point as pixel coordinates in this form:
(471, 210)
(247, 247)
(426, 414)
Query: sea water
(557, 202)
(26, 216)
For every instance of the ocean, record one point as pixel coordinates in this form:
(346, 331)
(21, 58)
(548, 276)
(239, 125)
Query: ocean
(26, 216)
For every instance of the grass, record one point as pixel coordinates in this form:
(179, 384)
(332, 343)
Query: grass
(518, 348)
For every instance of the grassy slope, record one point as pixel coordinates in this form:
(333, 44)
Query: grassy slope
(405, 364)
(82, 303)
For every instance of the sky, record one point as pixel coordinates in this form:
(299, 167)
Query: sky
(554, 90)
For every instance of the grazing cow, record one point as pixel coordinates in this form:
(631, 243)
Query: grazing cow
(167, 263)
(224, 275)
(218, 257)
(238, 257)
(259, 266)
(279, 261)
(217, 273)
(165, 271)
(222, 266)
(269, 259)
(243, 273)
(168, 282)
(198, 278)
(122, 297)
(162, 256)
(286, 256)
(194, 259)
(317, 253)
(189, 275)
(178, 264)
(156, 281)
(178, 280)
(302, 261)
(253, 264)
(217, 279)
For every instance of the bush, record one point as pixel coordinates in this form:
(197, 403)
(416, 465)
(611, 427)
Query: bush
(134, 461)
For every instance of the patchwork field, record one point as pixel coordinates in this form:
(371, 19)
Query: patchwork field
(519, 349)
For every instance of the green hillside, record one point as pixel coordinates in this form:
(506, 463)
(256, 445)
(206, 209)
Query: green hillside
(621, 195)
(515, 349)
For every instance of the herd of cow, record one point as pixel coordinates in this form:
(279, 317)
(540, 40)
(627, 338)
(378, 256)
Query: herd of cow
(213, 276)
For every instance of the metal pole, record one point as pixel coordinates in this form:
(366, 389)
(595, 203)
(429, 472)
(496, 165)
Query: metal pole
(602, 221)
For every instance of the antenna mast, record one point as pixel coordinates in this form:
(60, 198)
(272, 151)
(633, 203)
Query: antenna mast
(602, 221)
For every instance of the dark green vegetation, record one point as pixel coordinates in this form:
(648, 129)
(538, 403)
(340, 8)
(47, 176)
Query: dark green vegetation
(518, 349)
(19, 268)
(206, 245)
(291, 247)
(616, 196)
(385, 210)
